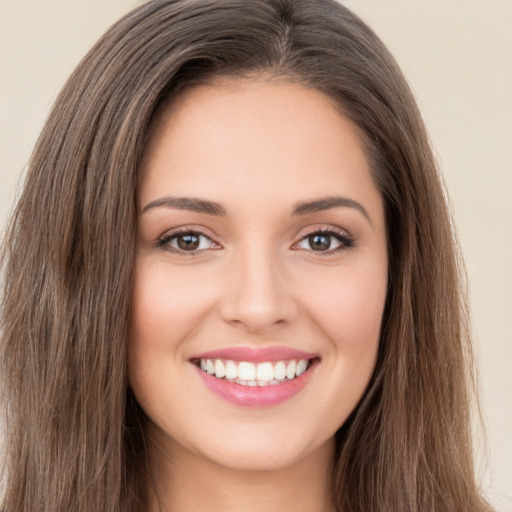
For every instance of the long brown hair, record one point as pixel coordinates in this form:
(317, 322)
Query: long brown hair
(74, 433)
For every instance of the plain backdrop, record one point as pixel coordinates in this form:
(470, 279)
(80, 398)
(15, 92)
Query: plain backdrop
(457, 55)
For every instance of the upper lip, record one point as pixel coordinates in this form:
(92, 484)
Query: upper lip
(255, 355)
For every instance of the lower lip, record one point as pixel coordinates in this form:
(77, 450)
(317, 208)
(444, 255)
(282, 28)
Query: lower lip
(257, 396)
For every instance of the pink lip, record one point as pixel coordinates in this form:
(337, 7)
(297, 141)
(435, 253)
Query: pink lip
(256, 355)
(256, 396)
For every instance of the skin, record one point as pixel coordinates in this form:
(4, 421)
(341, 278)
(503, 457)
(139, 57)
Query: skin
(258, 148)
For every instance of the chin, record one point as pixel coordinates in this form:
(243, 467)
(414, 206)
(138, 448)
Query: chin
(261, 449)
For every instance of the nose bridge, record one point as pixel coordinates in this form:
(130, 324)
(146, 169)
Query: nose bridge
(258, 295)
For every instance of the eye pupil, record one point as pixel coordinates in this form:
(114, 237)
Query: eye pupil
(319, 242)
(188, 242)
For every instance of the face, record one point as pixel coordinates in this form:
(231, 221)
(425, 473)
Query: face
(261, 276)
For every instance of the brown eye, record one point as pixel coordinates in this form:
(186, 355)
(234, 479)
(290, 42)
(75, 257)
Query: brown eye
(319, 242)
(188, 241)
(325, 241)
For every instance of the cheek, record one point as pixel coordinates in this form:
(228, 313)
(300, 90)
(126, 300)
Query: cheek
(348, 304)
(358, 312)
(348, 308)
(166, 310)
(342, 306)
(166, 305)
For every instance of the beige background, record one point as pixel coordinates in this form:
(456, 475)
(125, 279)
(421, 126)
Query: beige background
(457, 55)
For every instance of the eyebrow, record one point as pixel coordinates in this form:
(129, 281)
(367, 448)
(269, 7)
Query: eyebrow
(326, 203)
(197, 205)
(187, 203)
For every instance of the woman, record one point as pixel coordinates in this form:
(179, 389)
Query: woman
(231, 280)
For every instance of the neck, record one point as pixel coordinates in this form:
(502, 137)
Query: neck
(186, 482)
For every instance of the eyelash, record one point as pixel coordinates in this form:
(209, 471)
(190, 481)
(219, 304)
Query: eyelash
(345, 240)
(164, 241)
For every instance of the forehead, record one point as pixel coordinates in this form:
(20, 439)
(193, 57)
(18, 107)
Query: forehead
(254, 139)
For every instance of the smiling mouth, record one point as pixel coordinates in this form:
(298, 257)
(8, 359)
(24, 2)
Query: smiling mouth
(245, 373)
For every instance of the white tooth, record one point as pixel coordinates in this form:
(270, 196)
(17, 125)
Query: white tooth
(263, 383)
(246, 371)
(203, 365)
(301, 367)
(280, 371)
(252, 383)
(210, 367)
(272, 382)
(231, 370)
(242, 382)
(290, 370)
(220, 370)
(265, 371)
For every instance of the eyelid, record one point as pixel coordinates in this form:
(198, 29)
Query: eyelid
(164, 239)
(347, 241)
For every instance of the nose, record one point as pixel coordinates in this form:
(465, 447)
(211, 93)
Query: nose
(257, 296)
